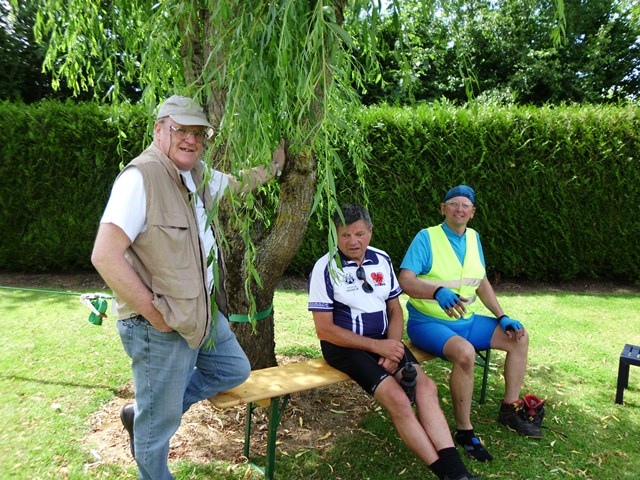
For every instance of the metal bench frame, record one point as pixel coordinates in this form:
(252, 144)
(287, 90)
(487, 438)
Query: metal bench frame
(630, 356)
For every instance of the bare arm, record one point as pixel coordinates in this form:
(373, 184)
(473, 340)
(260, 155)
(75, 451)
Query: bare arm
(108, 259)
(396, 328)
(326, 330)
(413, 286)
(487, 296)
(256, 176)
(396, 319)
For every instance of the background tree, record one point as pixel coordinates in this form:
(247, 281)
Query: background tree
(506, 50)
(21, 61)
(21, 76)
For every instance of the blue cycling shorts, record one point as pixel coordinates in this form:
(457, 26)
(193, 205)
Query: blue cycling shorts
(431, 335)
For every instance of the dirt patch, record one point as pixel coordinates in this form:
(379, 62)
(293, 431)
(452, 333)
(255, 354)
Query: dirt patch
(92, 281)
(51, 281)
(605, 287)
(311, 420)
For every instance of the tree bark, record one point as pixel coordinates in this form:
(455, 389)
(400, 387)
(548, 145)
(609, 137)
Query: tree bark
(275, 250)
(192, 47)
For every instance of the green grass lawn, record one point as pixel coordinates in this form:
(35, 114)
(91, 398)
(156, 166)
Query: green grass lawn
(56, 370)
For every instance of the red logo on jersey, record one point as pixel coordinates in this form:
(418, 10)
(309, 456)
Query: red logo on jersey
(377, 277)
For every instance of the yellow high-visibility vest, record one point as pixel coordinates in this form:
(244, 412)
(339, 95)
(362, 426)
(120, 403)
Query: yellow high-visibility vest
(447, 272)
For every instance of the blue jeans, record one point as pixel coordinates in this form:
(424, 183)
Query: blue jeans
(168, 378)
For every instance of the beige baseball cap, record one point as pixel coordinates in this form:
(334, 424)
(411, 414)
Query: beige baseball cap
(185, 111)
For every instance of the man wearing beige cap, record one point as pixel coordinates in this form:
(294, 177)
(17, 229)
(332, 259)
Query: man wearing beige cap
(152, 248)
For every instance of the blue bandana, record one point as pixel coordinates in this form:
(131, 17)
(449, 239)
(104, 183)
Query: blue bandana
(461, 191)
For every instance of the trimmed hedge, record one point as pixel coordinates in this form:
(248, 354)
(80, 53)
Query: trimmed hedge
(57, 164)
(557, 187)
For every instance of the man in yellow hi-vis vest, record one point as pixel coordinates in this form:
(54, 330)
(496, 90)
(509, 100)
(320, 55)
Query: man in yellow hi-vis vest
(443, 272)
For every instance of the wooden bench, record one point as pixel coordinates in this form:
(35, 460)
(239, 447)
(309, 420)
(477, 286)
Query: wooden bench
(271, 387)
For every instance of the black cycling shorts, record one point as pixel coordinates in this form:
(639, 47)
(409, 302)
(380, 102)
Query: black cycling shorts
(361, 365)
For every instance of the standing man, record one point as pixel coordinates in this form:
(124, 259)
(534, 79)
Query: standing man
(353, 295)
(443, 272)
(152, 249)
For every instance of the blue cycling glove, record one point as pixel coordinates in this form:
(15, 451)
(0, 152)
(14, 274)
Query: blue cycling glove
(446, 298)
(509, 323)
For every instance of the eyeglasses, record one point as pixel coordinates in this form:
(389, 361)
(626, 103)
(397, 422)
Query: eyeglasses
(463, 205)
(362, 276)
(183, 134)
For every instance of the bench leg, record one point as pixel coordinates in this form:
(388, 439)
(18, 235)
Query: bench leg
(247, 428)
(623, 380)
(485, 375)
(484, 362)
(276, 408)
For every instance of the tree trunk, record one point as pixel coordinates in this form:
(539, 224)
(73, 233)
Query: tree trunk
(275, 250)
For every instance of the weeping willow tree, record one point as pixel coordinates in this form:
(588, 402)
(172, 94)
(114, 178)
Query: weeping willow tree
(264, 70)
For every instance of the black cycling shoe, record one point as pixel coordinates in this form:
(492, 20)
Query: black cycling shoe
(473, 447)
(127, 415)
(514, 416)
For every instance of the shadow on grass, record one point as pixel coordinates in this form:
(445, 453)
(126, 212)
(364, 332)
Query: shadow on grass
(20, 378)
(19, 298)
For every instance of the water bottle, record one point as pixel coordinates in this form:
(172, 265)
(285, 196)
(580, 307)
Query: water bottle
(408, 381)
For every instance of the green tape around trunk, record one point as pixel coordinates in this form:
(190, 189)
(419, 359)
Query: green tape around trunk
(242, 317)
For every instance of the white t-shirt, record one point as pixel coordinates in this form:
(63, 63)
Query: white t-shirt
(127, 206)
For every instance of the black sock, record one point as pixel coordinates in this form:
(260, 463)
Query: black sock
(464, 435)
(452, 462)
(438, 468)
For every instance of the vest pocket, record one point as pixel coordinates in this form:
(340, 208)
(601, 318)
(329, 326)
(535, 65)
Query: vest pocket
(179, 284)
(177, 241)
(180, 314)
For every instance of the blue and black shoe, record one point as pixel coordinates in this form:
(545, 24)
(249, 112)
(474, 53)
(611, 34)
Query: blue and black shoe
(473, 447)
